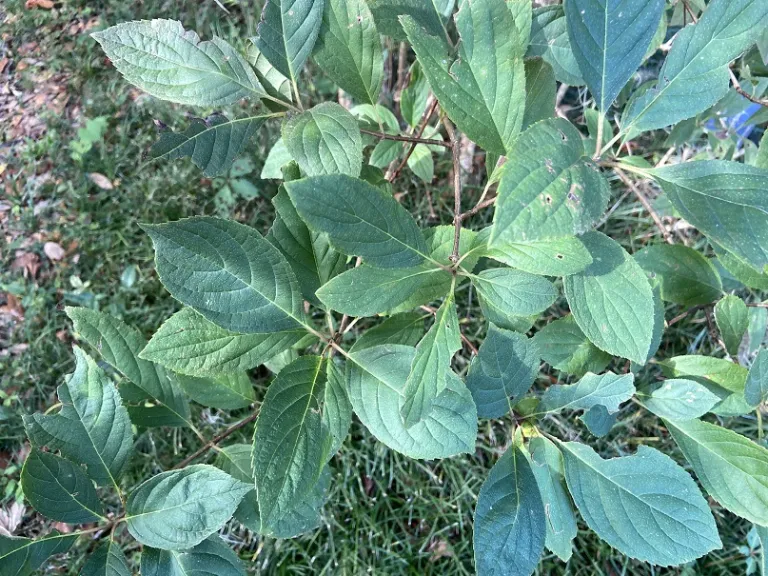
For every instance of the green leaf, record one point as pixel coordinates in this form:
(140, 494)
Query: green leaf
(608, 390)
(325, 140)
(550, 41)
(564, 346)
(427, 13)
(190, 344)
(695, 72)
(762, 153)
(405, 329)
(431, 364)
(547, 466)
(522, 12)
(659, 323)
(541, 88)
(291, 443)
(732, 469)
(349, 49)
(229, 273)
(210, 557)
(59, 489)
(360, 220)
(440, 245)
(758, 323)
(612, 300)
(225, 391)
(309, 253)
(610, 39)
(274, 83)
(277, 158)
(598, 420)
(721, 377)
(722, 372)
(178, 509)
(557, 257)
(740, 270)
(644, 505)
(287, 33)
(337, 411)
(483, 91)
(168, 62)
(732, 320)
(548, 189)
(384, 153)
(376, 379)
(92, 426)
(756, 388)
(680, 399)
(121, 346)
(213, 144)
(510, 521)
(724, 200)
(421, 163)
(22, 556)
(304, 515)
(367, 291)
(505, 293)
(107, 560)
(414, 97)
(686, 277)
(503, 370)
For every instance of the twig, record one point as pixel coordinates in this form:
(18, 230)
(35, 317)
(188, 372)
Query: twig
(215, 441)
(685, 314)
(737, 86)
(479, 206)
(423, 126)
(646, 204)
(456, 148)
(401, 138)
(690, 12)
(472, 347)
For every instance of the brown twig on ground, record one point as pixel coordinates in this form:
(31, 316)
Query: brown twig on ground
(646, 204)
(456, 153)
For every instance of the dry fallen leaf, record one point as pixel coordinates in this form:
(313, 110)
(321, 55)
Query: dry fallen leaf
(53, 250)
(29, 262)
(439, 549)
(100, 180)
(18, 349)
(42, 4)
(10, 518)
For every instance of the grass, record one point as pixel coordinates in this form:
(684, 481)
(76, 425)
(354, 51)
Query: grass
(386, 514)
